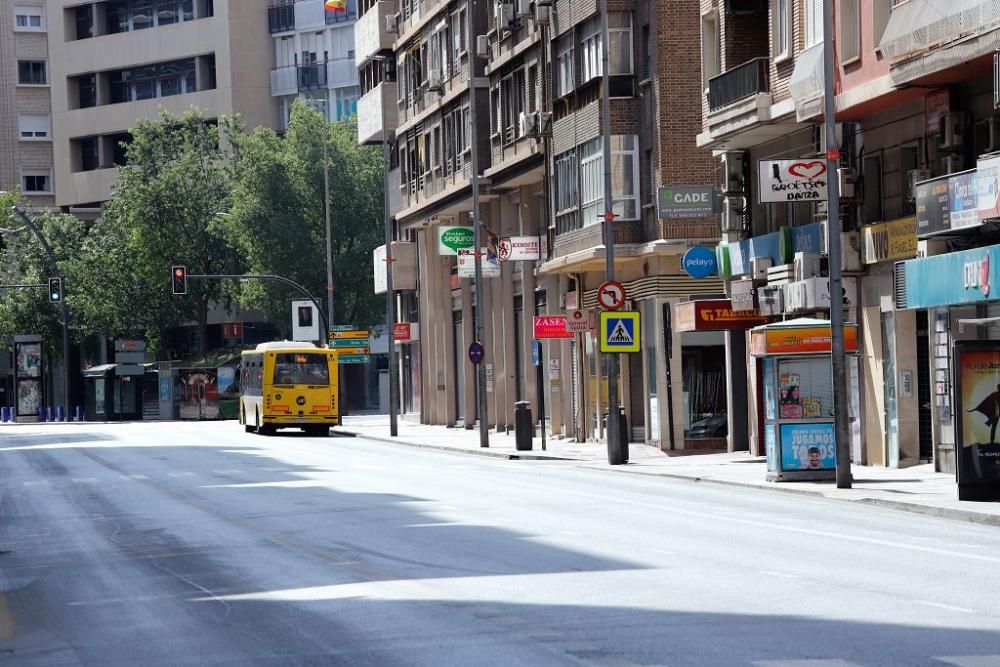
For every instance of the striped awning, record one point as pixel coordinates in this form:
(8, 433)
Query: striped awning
(806, 83)
(918, 25)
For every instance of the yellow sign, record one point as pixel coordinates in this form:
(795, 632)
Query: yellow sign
(619, 331)
(353, 350)
(892, 240)
(356, 334)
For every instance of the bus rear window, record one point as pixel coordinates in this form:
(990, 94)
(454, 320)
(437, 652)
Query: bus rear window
(301, 368)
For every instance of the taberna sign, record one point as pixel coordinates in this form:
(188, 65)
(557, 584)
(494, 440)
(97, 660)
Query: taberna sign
(700, 262)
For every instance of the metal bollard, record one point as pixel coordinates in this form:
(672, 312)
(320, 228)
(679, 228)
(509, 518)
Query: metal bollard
(41, 413)
(51, 414)
(524, 430)
(79, 413)
(4, 415)
(60, 414)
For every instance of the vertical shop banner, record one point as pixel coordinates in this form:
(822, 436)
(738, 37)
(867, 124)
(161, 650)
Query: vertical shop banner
(808, 447)
(988, 188)
(977, 389)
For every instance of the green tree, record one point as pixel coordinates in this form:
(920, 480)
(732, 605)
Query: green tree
(165, 210)
(277, 217)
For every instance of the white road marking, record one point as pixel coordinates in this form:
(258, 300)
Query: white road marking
(85, 480)
(137, 477)
(38, 482)
(229, 471)
(939, 605)
(804, 663)
(783, 575)
(971, 660)
(180, 474)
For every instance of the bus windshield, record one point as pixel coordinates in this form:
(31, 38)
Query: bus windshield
(301, 368)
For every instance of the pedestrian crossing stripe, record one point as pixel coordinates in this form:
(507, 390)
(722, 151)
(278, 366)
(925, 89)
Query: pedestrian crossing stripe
(620, 331)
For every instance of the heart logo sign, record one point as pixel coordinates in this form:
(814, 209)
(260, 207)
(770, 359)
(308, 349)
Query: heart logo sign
(808, 170)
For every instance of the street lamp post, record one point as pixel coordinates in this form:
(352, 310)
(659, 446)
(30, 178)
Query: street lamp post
(484, 435)
(62, 304)
(617, 450)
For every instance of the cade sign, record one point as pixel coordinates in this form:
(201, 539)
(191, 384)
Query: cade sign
(680, 202)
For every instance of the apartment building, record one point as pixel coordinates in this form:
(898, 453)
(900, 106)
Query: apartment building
(25, 106)
(536, 83)
(112, 62)
(313, 58)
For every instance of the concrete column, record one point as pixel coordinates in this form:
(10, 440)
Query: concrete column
(738, 439)
(429, 392)
(551, 351)
(677, 381)
(907, 407)
(872, 377)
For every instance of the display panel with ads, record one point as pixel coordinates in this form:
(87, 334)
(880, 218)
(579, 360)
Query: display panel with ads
(977, 390)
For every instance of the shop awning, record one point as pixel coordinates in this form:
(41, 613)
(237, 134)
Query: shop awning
(954, 55)
(806, 83)
(918, 26)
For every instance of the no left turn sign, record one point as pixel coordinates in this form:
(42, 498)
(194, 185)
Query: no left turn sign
(611, 295)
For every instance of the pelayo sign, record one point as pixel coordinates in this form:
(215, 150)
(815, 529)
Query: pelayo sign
(700, 262)
(453, 239)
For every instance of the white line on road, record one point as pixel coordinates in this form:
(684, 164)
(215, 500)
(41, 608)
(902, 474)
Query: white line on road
(180, 474)
(137, 477)
(949, 607)
(229, 471)
(37, 482)
(85, 480)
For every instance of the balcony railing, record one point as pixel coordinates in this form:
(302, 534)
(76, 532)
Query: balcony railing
(739, 83)
(378, 116)
(312, 77)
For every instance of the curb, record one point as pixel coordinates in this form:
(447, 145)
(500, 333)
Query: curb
(453, 450)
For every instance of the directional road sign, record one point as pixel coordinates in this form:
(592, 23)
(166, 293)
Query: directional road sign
(620, 331)
(611, 295)
(354, 358)
(353, 334)
(348, 342)
(345, 352)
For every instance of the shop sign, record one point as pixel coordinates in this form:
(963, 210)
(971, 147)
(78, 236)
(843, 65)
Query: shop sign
(713, 315)
(467, 264)
(780, 247)
(677, 203)
(977, 404)
(809, 339)
(968, 276)
(808, 447)
(700, 262)
(796, 180)
(988, 188)
(519, 248)
(405, 332)
(551, 326)
(741, 296)
(578, 321)
(963, 200)
(452, 239)
(933, 211)
(889, 240)
(936, 104)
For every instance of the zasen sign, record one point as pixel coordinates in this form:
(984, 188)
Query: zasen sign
(792, 180)
(551, 326)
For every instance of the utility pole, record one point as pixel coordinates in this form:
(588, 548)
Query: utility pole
(616, 449)
(390, 294)
(473, 129)
(62, 304)
(329, 237)
(842, 431)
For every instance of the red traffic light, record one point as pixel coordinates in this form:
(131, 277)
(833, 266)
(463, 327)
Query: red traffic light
(179, 282)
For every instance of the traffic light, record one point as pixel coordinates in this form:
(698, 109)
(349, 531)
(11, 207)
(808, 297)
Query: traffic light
(179, 275)
(55, 290)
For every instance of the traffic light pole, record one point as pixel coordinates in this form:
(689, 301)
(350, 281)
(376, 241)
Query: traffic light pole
(62, 304)
(269, 278)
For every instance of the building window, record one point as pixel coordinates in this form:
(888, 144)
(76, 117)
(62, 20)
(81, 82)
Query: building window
(458, 36)
(31, 72)
(619, 47)
(129, 16)
(880, 19)
(83, 19)
(510, 99)
(812, 22)
(590, 51)
(87, 85)
(89, 153)
(850, 31)
(28, 18)
(625, 187)
(871, 209)
(781, 29)
(36, 182)
(146, 83)
(347, 102)
(647, 54)
(565, 81)
(33, 127)
(711, 47)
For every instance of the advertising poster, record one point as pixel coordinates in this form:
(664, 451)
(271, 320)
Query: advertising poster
(770, 448)
(29, 397)
(791, 399)
(988, 188)
(808, 447)
(978, 389)
(963, 200)
(29, 360)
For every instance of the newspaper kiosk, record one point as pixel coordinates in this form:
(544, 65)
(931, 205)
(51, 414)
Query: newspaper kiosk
(799, 434)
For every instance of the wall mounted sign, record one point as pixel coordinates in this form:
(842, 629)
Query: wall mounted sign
(988, 188)
(550, 326)
(807, 238)
(619, 331)
(700, 262)
(804, 339)
(611, 295)
(963, 200)
(968, 276)
(467, 264)
(713, 315)
(681, 202)
(889, 240)
(742, 296)
(519, 248)
(796, 180)
(452, 239)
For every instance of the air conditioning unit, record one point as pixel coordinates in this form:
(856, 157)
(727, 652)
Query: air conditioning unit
(759, 267)
(848, 177)
(524, 8)
(806, 265)
(482, 46)
(544, 124)
(503, 15)
(913, 177)
(952, 127)
(528, 124)
(732, 214)
(771, 300)
(816, 293)
(392, 24)
(434, 81)
(543, 13)
(732, 173)
(795, 296)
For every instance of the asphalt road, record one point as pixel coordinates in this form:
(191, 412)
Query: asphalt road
(197, 544)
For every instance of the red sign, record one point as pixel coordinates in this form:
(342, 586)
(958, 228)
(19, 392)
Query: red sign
(232, 330)
(611, 295)
(401, 331)
(713, 315)
(551, 326)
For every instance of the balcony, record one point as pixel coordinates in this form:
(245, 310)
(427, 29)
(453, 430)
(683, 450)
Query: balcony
(340, 73)
(284, 81)
(370, 35)
(289, 15)
(739, 83)
(312, 77)
(377, 103)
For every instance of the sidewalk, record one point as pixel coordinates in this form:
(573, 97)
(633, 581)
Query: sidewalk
(916, 489)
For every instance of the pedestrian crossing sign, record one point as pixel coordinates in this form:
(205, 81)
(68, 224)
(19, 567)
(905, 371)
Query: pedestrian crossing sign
(620, 331)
